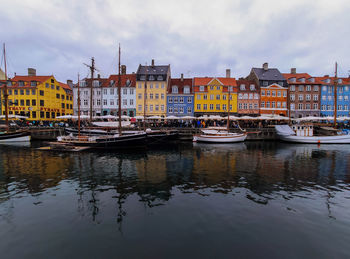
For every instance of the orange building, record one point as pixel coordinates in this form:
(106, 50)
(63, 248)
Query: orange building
(273, 100)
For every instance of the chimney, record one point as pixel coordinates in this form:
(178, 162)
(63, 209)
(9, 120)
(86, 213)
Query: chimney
(293, 70)
(123, 68)
(266, 66)
(182, 77)
(31, 71)
(228, 73)
(70, 83)
(326, 75)
(98, 76)
(152, 62)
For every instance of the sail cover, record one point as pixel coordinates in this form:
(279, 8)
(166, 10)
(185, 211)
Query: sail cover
(284, 130)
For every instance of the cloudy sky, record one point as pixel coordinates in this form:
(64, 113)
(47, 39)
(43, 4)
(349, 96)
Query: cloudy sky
(198, 38)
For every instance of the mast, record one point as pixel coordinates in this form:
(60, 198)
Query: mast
(335, 95)
(144, 100)
(6, 94)
(228, 113)
(92, 70)
(119, 97)
(78, 107)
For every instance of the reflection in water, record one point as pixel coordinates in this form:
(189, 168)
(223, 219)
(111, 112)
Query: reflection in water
(98, 182)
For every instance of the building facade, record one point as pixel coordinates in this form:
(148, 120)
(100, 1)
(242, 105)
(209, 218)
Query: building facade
(304, 94)
(156, 89)
(327, 96)
(211, 95)
(38, 97)
(180, 97)
(248, 97)
(273, 90)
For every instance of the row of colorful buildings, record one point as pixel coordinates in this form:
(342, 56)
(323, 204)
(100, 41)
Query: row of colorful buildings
(264, 91)
(151, 89)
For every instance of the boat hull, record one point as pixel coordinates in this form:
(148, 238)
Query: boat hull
(220, 139)
(338, 139)
(15, 137)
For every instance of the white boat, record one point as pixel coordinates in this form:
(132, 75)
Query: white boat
(219, 135)
(305, 134)
(17, 136)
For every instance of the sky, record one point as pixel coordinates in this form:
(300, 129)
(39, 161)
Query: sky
(197, 38)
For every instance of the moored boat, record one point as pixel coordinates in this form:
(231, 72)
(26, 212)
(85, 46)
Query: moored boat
(219, 135)
(305, 134)
(16, 136)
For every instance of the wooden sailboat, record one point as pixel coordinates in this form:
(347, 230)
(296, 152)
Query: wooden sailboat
(220, 134)
(305, 133)
(118, 140)
(7, 136)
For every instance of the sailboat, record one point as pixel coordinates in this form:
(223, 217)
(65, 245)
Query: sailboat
(220, 134)
(7, 136)
(118, 140)
(306, 133)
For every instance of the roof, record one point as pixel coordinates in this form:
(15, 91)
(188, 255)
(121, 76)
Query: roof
(123, 79)
(153, 70)
(226, 81)
(247, 83)
(65, 86)
(272, 74)
(345, 80)
(180, 84)
(298, 76)
(28, 79)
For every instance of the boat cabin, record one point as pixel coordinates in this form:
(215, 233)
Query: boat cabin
(303, 130)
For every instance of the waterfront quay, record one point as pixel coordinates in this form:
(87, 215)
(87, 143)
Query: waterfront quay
(183, 200)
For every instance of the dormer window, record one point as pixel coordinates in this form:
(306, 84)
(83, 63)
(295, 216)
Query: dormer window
(230, 88)
(175, 89)
(160, 78)
(9, 83)
(151, 78)
(186, 89)
(20, 83)
(111, 82)
(142, 78)
(280, 83)
(201, 88)
(302, 79)
(312, 80)
(242, 87)
(328, 80)
(293, 80)
(340, 81)
(32, 83)
(252, 87)
(82, 83)
(95, 83)
(265, 83)
(128, 82)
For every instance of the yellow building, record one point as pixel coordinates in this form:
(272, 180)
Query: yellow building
(211, 95)
(38, 97)
(156, 91)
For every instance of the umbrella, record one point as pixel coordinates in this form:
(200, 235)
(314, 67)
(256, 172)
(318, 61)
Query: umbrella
(155, 117)
(139, 117)
(246, 118)
(64, 117)
(172, 118)
(215, 117)
(188, 118)
(14, 116)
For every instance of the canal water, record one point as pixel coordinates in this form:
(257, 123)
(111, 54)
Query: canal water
(247, 200)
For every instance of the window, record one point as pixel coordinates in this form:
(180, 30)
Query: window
(265, 83)
(211, 106)
(175, 109)
(140, 96)
(250, 96)
(181, 109)
(198, 106)
(111, 102)
(273, 93)
(315, 97)
(292, 97)
(162, 86)
(139, 108)
(284, 104)
(217, 97)
(170, 109)
(41, 92)
(252, 87)
(267, 104)
(98, 92)
(162, 107)
(315, 106)
(308, 97)
(308, 88)
(98, 102)
(175, 89)
(47, 85)
(62, 97)
(201, 88)
(340, 97)
(186, 90)
(292, 87)
(205, 107)
(218, 107)
(131, 101)
(104, 101)
(240, 96)
(300, 97)
(346, 107)
(58, 96)
(198, 96)
(211, 87)
(346, 97)
(245, 106)
(211, 97)
(279, 93)
(224, 107)
(27, 102)
(242, 87)
(181, 100)
(218, 88)
(151, 108)
(151, 96)
(33, 102)
(262, 104)
(189, 99)
(27, 92)
(278, 104)
(42, 103)
(323, 97)
(224, 97)
(340, 107)
(292, 106)
(104, 91)
(151, 85)
(85, 102)
(21, 102)
(176, 100)
(205, 97)
(21, 92)
(300, 106)
(262, 92)
(280, 83)
(162, 96)
(268, 93)
(273, 104)
(240, 106)
(189, 109)
(170, 99)
(157, 96)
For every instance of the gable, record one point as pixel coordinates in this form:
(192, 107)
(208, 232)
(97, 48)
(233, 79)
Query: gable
(215, 81)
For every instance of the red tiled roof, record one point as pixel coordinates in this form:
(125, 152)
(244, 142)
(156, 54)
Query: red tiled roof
(31, 78)
(298, 76)
(65, 86)
(322, 79)
(180, 84)
(226, 81)
(123, 79)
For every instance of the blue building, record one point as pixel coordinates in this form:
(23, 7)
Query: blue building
(180, 97)
(327, 97)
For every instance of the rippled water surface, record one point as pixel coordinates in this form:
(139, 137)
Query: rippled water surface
(248, 200)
